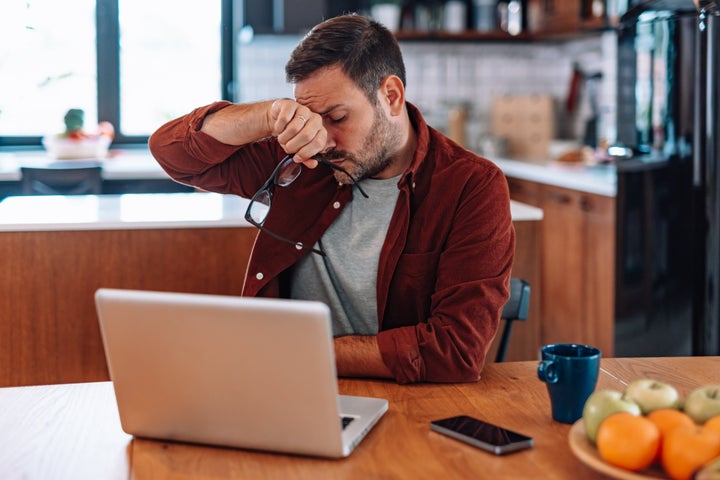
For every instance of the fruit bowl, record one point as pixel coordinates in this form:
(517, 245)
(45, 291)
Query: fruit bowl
(588, 454)
(73, 148)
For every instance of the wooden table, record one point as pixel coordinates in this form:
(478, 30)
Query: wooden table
(72, 431)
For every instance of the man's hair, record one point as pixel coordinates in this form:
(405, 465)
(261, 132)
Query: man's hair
(366, 51)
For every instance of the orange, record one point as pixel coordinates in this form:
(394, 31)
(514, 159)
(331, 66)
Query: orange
(713, 424)
(628, 441)
(686, 449)
(667, 419)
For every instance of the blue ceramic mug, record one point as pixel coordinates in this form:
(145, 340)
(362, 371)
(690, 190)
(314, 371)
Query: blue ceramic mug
(570, 372)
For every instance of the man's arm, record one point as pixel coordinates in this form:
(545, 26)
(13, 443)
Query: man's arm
(209, 135)
(359, 356)
(298, 130)
(239, 124)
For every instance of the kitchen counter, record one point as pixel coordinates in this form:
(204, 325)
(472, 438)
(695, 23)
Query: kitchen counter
(600, 179)
(63, 248)
(138, 164)
(143, 211)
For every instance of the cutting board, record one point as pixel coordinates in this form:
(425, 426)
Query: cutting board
(527, 122)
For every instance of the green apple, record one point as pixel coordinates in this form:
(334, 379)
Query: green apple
(600, 405)
(652, 395)
(703, 403)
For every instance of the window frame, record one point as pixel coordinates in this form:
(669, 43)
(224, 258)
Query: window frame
(108, 71)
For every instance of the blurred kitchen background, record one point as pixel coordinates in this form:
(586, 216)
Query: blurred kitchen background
(601, 113)
(169, 56)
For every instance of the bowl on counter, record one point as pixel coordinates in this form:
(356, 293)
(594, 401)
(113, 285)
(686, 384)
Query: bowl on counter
(70, 148)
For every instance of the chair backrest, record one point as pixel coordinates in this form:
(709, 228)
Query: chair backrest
(516, 308)
(62, 181)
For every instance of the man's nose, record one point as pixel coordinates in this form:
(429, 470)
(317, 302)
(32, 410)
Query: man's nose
(330, 143)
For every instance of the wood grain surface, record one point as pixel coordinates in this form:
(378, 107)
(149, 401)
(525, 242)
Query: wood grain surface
(48, 324)
(72, 431)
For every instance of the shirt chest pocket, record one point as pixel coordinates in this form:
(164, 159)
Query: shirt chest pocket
(414, 279)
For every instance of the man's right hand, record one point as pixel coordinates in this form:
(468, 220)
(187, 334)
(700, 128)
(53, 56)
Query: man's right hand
(299, 130)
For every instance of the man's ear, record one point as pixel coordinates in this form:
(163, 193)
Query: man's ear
(392, 91)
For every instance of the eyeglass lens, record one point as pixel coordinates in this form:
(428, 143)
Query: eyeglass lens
(288, 172)
(260, 206)
(285, 173)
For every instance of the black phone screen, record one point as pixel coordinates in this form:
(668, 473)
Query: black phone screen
(482, 434)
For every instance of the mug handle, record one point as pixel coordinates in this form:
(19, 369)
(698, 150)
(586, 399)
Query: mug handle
(547, 372)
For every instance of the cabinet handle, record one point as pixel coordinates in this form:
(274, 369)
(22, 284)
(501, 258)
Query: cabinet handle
(586, 204)
(559, 197)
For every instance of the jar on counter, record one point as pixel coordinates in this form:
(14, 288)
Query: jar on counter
(455, 16)
(485, 15)
(510, 15)
(457, 124)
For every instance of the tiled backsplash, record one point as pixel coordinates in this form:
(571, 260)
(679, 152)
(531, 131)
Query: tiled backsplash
(443, 74)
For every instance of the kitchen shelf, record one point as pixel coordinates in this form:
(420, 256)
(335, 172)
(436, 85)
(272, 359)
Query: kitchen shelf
(499, 36)
(467, 35)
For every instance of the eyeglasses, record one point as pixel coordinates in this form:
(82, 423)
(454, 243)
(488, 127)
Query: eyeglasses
(284, 174)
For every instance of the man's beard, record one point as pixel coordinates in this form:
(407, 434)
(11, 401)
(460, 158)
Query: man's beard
(376, 152)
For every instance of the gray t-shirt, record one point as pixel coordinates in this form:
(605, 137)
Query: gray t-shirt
(346, 278)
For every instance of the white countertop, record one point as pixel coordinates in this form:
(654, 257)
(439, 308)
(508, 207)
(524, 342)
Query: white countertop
(522, 212)
(130, 164)
(122, 212)
(600, 180)
(138, 164)
(143, 211)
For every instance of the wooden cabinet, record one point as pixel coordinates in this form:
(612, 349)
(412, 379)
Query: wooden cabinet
(49, 331)
(577, 263)
(554, 16)
(542, 19)
(525, 337)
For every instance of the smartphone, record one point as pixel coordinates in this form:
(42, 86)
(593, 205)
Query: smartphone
(481, 434)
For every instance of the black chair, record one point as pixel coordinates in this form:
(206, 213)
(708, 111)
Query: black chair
(61, 180)
(515, 309)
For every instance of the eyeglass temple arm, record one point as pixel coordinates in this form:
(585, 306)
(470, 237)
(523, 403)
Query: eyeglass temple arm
(341, 169)
(283, 239)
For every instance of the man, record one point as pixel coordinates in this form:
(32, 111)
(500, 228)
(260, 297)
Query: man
(416, 268)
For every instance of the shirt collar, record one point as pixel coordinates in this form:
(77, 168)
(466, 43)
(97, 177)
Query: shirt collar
(423, 143)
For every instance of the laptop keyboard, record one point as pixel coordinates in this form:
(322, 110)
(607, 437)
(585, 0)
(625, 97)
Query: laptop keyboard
(345, 421)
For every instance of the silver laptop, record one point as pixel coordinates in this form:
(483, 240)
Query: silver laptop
(231, 371)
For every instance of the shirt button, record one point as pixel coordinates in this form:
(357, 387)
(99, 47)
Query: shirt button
(413, 186)
(259, 276)
(336, 205)
(298, 246)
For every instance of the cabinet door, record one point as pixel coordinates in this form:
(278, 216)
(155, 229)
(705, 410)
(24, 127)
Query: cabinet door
(562, 266)
(575, 294)
(599, 285)
(525, 191)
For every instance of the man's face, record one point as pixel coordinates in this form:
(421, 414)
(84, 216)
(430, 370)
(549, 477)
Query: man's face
(361, 136)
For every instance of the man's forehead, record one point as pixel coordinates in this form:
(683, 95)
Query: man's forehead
(325, 94)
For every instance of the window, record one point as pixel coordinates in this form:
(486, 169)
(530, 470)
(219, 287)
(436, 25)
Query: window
(169, 60)
(46, 66)
(134, 63)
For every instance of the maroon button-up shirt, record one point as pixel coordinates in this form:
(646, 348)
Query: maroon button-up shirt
(444, 267)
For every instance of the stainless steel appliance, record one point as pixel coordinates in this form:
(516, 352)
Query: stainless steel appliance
(668, 200)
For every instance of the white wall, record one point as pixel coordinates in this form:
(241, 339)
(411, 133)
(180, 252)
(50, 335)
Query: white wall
(443, 74)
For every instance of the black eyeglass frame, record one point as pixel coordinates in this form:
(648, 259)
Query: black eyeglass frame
(273, 181)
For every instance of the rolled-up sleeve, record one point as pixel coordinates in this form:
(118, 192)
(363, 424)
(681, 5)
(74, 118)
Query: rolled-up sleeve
(191, 157)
